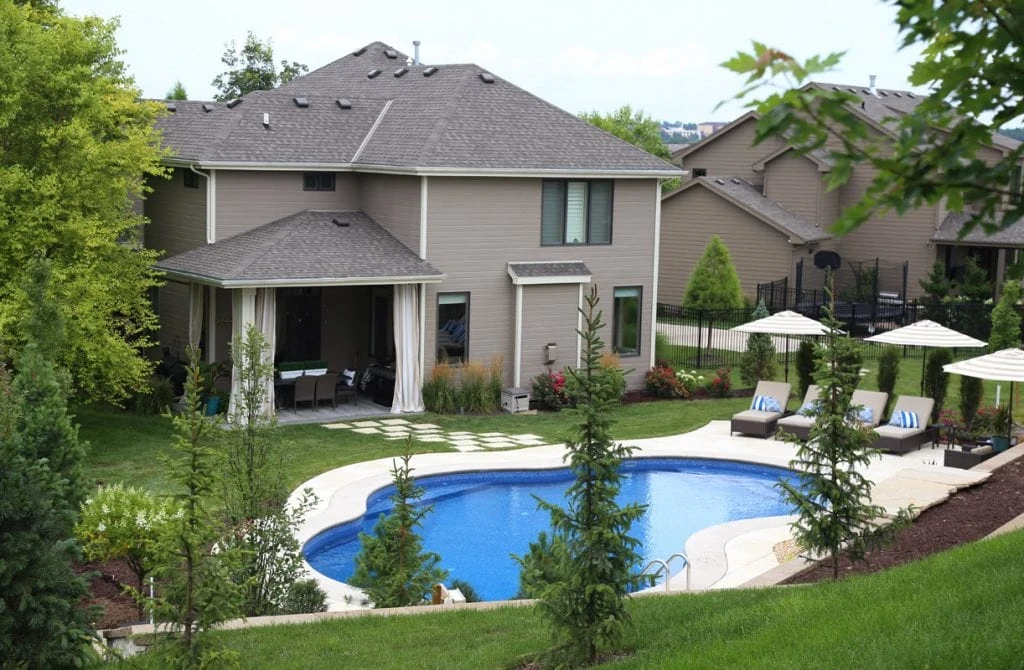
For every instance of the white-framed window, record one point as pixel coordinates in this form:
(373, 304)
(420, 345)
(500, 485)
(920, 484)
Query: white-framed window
(576, 212)
(318, 181)
(626, 320)
(453, 327)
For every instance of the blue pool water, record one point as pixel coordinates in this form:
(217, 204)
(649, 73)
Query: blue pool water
(481, 518)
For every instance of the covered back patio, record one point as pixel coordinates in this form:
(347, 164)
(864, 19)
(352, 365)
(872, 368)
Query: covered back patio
(328, 287)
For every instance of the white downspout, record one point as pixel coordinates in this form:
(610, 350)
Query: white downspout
(657, 259)
(211, 202)
(211, 324)
(517, 357)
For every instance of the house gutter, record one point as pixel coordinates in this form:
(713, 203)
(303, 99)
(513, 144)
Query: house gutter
(211, 202)
(179, 275)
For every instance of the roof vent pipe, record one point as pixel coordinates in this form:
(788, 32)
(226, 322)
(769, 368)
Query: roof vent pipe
(871, 84)
(266, 119)
(416, 52)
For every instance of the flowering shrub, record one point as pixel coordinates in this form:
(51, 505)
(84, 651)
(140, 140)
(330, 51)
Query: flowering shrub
(549, 391)
(691, 381)
(662, 382)
(721, 384)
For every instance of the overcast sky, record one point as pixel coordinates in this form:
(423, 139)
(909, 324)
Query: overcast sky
(581, 56)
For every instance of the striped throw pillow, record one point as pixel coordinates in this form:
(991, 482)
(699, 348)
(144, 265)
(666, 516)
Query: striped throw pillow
(905, 419)
(765, 403)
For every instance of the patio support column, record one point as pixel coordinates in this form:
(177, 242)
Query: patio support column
(211, 324)
(243, 314)
(195, 314)
(579, 328)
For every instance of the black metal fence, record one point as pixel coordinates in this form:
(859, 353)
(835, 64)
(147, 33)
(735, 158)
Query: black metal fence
(702, 338)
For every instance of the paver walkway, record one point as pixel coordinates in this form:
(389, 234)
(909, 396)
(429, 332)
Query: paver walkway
(460, 440)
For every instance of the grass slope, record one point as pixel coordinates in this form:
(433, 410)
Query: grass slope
(955, 610)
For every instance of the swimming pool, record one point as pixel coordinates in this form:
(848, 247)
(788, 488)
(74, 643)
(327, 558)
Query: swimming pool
(480, 518)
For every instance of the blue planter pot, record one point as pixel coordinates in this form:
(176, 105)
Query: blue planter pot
(1000, 443)
(212, 405)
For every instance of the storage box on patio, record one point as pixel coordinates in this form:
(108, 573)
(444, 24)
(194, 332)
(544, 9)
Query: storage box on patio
(515, 400)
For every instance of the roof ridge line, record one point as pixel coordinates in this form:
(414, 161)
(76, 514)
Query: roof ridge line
(434, 138)
(373, 129)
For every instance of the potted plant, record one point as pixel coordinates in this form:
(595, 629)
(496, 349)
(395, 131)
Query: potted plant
(1001, 428)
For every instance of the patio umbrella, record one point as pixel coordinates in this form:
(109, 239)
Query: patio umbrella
(1004, 366)
(925, 333)
(784, 323)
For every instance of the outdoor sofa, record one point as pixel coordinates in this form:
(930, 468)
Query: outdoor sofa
(800, 423)
(759, 421)
(900, 439)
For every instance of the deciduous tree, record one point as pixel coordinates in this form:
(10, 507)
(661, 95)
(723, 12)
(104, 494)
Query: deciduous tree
(638, 129)
(1006, 319)
(177, 92)
(76, 146)
(970, 63)
(252, 69)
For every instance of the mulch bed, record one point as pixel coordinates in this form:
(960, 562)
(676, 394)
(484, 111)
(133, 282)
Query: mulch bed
(968, 515)
(117, 608)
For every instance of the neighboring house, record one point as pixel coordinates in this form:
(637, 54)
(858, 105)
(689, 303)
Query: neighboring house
(374, 211)
(772, 210)
(710, 127)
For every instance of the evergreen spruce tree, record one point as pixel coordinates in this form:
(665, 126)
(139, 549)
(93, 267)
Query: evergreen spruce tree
(391, 566)
(759, 361)
(714, 283)
(975, 286)
(1006, 319)
(936, 380)
(937, 288)
(195, 568)
(830, 493)
(41, 622)
(971, 392)
(888, 372)
(596, 556)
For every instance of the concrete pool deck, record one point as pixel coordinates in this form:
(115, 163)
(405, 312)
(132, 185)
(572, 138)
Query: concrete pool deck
(723, 556)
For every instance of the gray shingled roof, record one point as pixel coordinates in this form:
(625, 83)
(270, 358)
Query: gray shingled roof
(451, 120)
(748, 197)
(544, 270)
(306, 248)
(954, 223)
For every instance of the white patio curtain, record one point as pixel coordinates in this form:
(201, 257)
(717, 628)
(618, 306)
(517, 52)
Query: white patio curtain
(195, 314)
(408, 370)
(257, 307)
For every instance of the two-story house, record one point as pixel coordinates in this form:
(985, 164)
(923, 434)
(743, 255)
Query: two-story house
(381, 210)
(771, 208)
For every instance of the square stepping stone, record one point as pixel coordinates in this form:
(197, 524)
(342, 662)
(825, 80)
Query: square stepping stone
(474, 448)
(529, 443)
(391, 437)
(526, 436)
(396, 429)
(459, 444)
(493, 435)
(366, 431)
(365, 424)
(425, 426)
(495, 443)
(336, 426)
(430, 438)
(394, 422)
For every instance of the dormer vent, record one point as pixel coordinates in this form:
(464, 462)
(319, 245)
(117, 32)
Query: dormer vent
(487, 77)
(910, 95)
(171, 107)
(400, 71)
(720, 182)
(373, 73)
(735, 180)
(231, 104)
(266, 119)
(359, 52)
(301, 102)
(391, 53)
(344, 103)
(207, 107)
(896, 93)
(339, 223)
(429, 71)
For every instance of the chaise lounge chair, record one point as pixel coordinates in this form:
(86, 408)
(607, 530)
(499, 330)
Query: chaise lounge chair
(768, 406)
(799, 424)
(901, 434)
(872, 404)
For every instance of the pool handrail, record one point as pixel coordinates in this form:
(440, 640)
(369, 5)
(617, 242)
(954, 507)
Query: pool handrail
(665, 569)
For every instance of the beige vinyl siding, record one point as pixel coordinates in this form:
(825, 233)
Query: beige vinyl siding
(544, 321)
(177, 215)
(250, 199)
(794, 182)
(393, 201)
(477, 225)
(732, 154)
(891, 238)
(689, 219)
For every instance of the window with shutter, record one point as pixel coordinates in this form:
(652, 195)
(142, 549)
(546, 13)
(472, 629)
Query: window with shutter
(576, 212)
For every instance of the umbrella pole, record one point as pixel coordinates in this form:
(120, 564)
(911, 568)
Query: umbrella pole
(787, 358)
(1009, 429)
(924, 357)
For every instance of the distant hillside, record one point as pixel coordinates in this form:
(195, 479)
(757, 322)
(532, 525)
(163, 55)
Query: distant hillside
(1015, 133)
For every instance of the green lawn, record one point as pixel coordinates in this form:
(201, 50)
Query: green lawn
(127, 447)
(958, 609)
